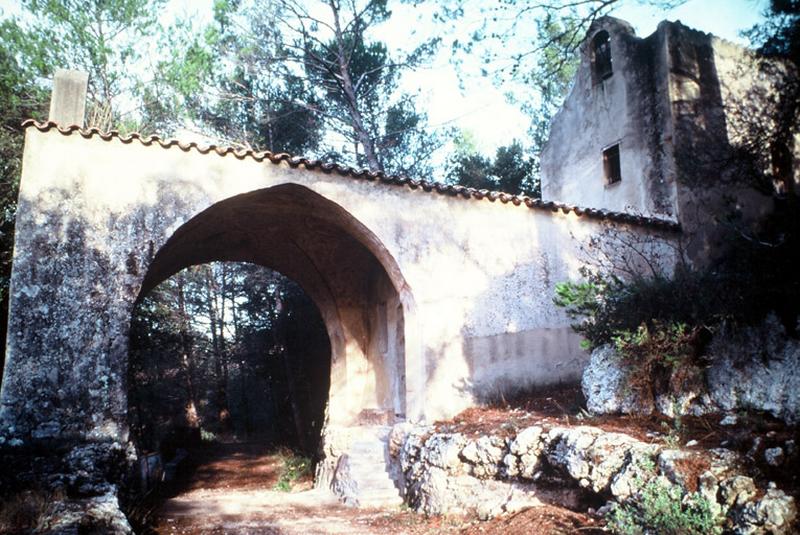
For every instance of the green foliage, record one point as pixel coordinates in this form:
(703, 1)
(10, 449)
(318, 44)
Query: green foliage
(661, 324)
(529, 51)
(355, 81)
(779, 34)
(661, 508)
(742, 288)
(672, 436)
(295, 468)
(579, 298)
(304, 78)
(473, 171)
(208, 436)
(20, 99)
(671, 344)
(232, 78)
(511, 171)
(100, 37)
(551, 76)
(652, 349)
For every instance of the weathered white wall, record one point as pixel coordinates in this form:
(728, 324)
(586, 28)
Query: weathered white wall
(475, 279)
(721, 105)
(689, 111)
(622, 109)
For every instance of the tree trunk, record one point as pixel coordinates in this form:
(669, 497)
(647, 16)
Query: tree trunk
(223, 351)
(242, 357)
(356, 118)
(291, 383)
(187, 359)
(221, 396)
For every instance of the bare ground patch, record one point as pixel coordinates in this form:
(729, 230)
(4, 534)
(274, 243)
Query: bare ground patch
(232, 491)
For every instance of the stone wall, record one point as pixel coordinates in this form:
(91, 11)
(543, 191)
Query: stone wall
(465, 279)
(503, 473)
(629, 108)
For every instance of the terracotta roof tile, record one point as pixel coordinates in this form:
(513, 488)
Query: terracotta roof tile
(328, 168)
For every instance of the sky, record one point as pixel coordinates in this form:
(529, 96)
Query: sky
(476, 105)
(484, 111)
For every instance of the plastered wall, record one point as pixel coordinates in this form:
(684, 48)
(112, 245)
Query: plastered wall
(447, 299)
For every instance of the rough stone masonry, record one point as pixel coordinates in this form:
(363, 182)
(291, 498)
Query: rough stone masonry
(433, 296)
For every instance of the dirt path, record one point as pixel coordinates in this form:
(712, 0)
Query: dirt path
(263, 511)
(232, 491)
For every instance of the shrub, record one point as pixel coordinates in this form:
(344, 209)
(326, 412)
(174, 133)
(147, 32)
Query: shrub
(295, 468)
(671, 343)
(208, 436)
(656, 329)
(25, 512)
(664, 509)
(748, 280)
(608, 308)
(661, 358)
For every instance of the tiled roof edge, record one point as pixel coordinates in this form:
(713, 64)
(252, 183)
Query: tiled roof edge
(294, 162)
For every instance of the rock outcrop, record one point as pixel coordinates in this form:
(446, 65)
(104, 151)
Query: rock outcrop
(757, 369)
(751, 369)
(490, 475)
(83, 482)
(604, 384)
(97, 514)
(449, 473)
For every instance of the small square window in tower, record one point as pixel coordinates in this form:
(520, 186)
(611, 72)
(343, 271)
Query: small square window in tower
(611, 166)
(601, 56)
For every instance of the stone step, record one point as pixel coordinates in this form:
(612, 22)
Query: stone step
(381, 504)
(372, 478)
(375, 485)
(379, 492)
(367, 481)
(371, 450)
(367, 467)
(366, 462)
(383, 494)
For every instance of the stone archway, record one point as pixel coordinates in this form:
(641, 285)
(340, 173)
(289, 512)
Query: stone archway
(87, 267)
(313, 241)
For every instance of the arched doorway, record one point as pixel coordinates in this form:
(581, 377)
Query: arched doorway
(227, 352)
(342, 267)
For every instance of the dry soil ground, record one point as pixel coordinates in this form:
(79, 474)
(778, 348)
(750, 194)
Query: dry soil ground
(232, 491)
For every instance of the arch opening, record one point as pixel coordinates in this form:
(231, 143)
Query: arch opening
(353, 282)
(601, 56)
(229, 351)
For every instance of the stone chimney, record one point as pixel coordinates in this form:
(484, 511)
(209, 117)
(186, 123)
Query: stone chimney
(68, 101)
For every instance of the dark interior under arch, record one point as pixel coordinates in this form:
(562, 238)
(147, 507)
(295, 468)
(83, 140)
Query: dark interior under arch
(227, 352)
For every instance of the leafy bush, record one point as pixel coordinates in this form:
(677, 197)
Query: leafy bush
(663, 509)
(748, 280)
(609, 308)
(25, 512)
(661, 324)
(658, 331)
(661, 358)
(207, 436)
(671, 343)
(295, 468)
